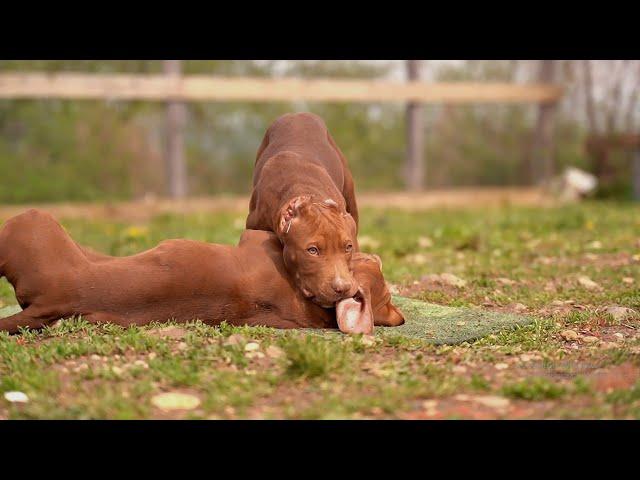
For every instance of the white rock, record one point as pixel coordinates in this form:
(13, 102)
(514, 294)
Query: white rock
(501, 366)
(251, 347)
(16, 397)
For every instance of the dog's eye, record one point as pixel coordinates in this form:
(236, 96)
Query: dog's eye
(313, 250)
(348, 248)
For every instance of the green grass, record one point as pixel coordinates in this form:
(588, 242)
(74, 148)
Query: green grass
(76, 370)
(534, 388)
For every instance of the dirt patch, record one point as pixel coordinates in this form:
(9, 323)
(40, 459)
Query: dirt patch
(176, 333)
(615, 378)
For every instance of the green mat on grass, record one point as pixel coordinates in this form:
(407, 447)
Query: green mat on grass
(430, 322)
(450, 325)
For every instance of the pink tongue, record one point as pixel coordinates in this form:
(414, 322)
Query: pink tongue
(353, 317)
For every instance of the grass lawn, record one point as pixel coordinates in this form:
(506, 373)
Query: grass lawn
(563, 266)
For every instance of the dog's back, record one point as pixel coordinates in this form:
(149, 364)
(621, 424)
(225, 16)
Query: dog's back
(305, 134)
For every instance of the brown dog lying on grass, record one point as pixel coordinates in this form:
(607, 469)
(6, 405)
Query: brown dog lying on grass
(304, 193)
(178, 280)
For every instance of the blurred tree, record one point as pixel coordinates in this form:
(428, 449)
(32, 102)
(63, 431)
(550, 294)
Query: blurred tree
(95, 150)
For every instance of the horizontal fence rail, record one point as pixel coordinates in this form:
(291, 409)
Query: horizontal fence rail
(210, 88)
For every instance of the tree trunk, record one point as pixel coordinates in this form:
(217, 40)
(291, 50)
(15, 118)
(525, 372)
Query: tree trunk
(414, 168)
(589, 102)
(543, 161)
(176, 170)
(635, 172)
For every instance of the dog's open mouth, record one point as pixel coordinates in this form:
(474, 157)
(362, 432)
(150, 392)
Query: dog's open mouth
(354, 314)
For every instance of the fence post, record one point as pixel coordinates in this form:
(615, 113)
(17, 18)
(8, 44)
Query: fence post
(176, 171)
(635, 173)
(543, 164)
(414, 166)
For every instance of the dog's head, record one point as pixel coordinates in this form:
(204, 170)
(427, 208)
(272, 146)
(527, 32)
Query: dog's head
(372, 303)
(318, 239)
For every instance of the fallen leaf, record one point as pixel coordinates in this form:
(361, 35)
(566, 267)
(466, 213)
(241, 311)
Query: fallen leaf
(590, 339)
(625, 280)
(417, 258)
(368, 340)
(518, 307)
(501, 366)
(492, 401)
(587, 283)
(175, 401)
(167, 332)
(505, 281)
(569, 335)
(425, 242)
(429, 404)
(451, 279)
(621, 313)
(141, 363)
(235, 339)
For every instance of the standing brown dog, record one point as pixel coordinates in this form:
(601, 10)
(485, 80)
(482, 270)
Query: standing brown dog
(183, 280)
(304, 193)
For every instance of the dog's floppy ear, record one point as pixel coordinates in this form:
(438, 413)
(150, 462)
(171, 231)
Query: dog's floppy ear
(289, 212)
(377, 259)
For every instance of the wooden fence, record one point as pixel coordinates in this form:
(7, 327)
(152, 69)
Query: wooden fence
(175, 89)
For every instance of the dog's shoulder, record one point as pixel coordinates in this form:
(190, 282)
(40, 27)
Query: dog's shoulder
(260, 239)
